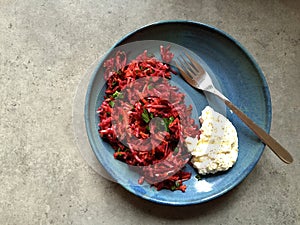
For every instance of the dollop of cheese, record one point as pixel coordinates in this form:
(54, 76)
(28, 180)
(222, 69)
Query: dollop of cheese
(217, 148)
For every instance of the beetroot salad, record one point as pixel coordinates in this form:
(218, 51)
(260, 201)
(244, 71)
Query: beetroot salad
(145, 120)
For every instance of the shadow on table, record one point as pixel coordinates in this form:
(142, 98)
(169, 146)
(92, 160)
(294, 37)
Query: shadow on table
(181, 212)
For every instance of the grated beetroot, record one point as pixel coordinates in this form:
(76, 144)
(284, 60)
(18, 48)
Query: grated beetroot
(141, 120)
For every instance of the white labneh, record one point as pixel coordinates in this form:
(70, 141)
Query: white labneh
(217, 148)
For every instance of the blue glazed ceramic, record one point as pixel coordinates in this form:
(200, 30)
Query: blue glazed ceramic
(237, 75)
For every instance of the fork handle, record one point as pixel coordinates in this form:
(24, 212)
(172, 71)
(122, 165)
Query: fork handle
(281, 152)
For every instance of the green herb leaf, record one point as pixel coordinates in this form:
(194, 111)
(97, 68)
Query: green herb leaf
(173, 188)
(177, 183)
(120, 95)
(117, 95)
(150, 87)
(176, 150)
(148, 128)
(171, 119)
(145, 116)
(119, 150)
(112, 104)
(198, 177)
(114, 95)
(166, 124)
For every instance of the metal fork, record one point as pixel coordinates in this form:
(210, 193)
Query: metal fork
(197, 77)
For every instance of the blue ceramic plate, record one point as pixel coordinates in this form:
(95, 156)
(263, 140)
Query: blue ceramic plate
(235, 73)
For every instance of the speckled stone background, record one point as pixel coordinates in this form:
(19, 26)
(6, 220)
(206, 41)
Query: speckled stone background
(46, 48)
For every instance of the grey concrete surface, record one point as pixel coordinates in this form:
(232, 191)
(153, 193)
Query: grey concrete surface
(46, 48)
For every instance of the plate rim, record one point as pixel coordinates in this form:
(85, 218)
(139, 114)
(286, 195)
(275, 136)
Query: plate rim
(266, 92)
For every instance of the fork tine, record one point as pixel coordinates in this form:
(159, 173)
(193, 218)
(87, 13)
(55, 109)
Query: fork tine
(195, 64)
(185, 75)
(184, 65)
(189, 67)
